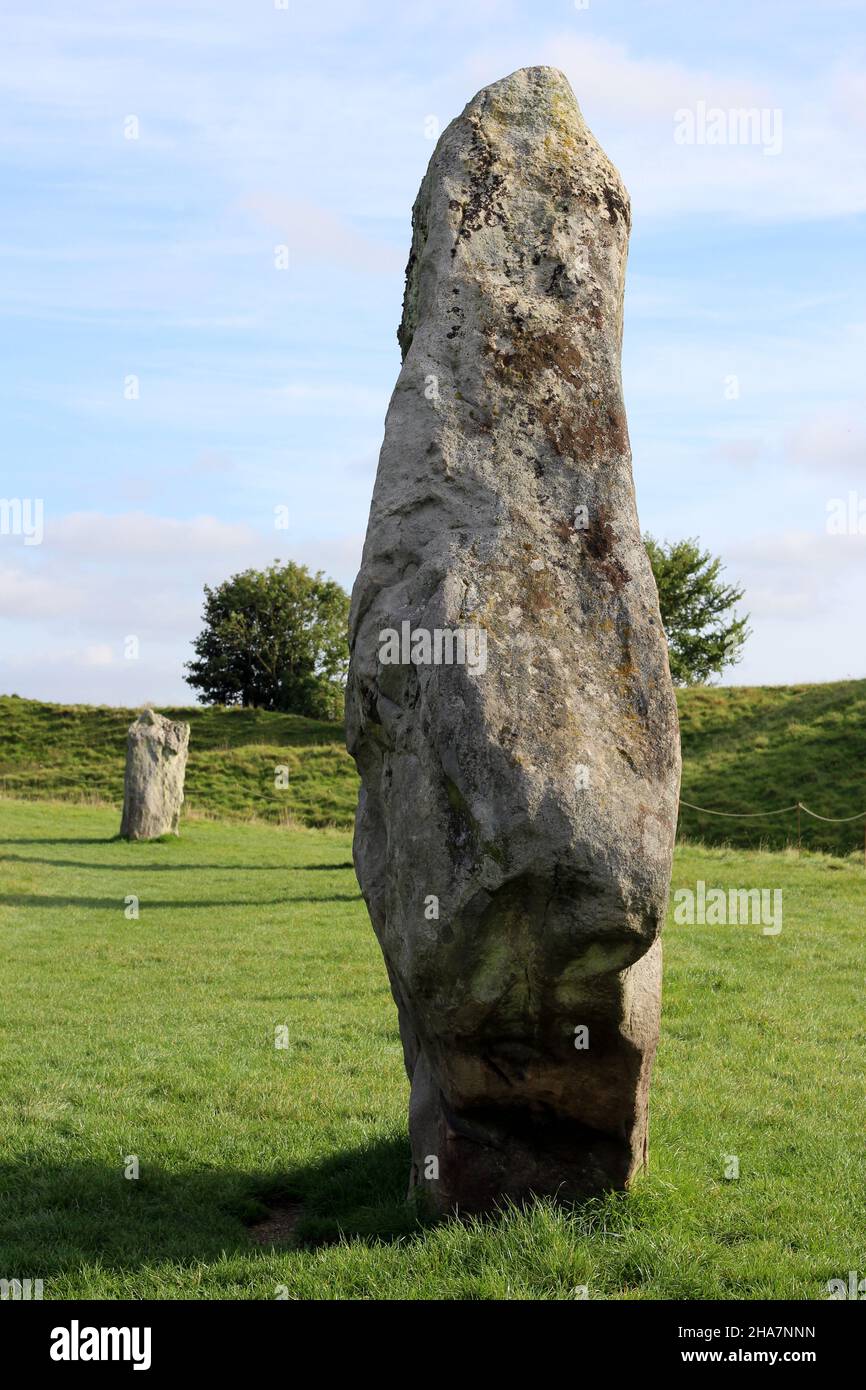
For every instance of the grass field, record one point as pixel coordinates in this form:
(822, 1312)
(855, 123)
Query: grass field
(156, 1038)
(745, 749)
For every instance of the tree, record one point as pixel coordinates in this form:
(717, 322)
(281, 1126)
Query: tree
(274, 639)
(703, 634)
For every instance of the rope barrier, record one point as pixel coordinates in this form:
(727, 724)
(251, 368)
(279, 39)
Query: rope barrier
(836, 820)
(758, 815)
(738, 815)
(783, 811)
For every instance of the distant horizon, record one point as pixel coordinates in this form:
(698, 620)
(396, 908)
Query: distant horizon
(203, 705)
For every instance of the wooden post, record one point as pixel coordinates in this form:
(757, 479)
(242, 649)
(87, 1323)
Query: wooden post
(798, 830)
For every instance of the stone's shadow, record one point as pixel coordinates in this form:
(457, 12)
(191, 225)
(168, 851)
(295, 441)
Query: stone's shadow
(305, 868)
(46, 900)
(58, 1217)
(60, 839)
(174, 868)
(357, 1194)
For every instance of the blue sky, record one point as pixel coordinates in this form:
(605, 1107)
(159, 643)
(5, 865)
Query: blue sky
(309, 127)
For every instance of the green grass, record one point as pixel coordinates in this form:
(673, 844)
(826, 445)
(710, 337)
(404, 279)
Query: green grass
(745, 749)
(155, 1037)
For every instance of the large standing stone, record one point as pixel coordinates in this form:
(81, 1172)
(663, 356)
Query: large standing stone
(516, 819)
(156, 751)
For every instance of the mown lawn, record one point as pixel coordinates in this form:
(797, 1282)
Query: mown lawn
(156, 1038)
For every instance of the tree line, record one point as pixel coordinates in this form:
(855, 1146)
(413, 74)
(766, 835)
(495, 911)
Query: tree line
(275, 639)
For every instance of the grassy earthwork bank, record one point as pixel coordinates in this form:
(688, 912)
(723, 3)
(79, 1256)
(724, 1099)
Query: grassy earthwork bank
(78, 752)
(267, 1171)
(745, 749)
(756, 748)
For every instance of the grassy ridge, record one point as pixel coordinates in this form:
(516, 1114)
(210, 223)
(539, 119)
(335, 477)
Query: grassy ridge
(755, 748)
(744, 749)
(156, 1038)
(77, 752)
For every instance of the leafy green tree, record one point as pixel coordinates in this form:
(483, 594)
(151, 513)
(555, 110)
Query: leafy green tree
(274, 639)
(704, 636)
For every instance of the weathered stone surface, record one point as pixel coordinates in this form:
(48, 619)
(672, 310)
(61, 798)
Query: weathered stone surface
(156, 751)
(535, 799)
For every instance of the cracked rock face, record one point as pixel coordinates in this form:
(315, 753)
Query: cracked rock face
(156, 751)
(518, 804)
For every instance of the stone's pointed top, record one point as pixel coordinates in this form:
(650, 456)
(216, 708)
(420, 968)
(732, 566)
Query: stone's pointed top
(151, 718)
(518, 174)
(540, 76)
(539, 102)
(526, 83)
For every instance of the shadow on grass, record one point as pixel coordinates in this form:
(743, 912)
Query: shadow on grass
(61, 840)
(58, 1217)
(45, 900)
(173, 868)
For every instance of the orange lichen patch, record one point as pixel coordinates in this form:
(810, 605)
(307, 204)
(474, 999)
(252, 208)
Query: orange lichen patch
(564, 530)
(519, 355)
(584, 428)
(599, 541)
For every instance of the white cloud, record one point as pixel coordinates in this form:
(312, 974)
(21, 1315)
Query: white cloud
(832, 441)
(194, 405)
(803, 627)
(98, 654)
(313, 234)
(630, 103)
(104, 578)
(28, 595)
(798, 574)
(134, 537)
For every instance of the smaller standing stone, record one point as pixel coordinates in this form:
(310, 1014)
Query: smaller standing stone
(156, 751)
